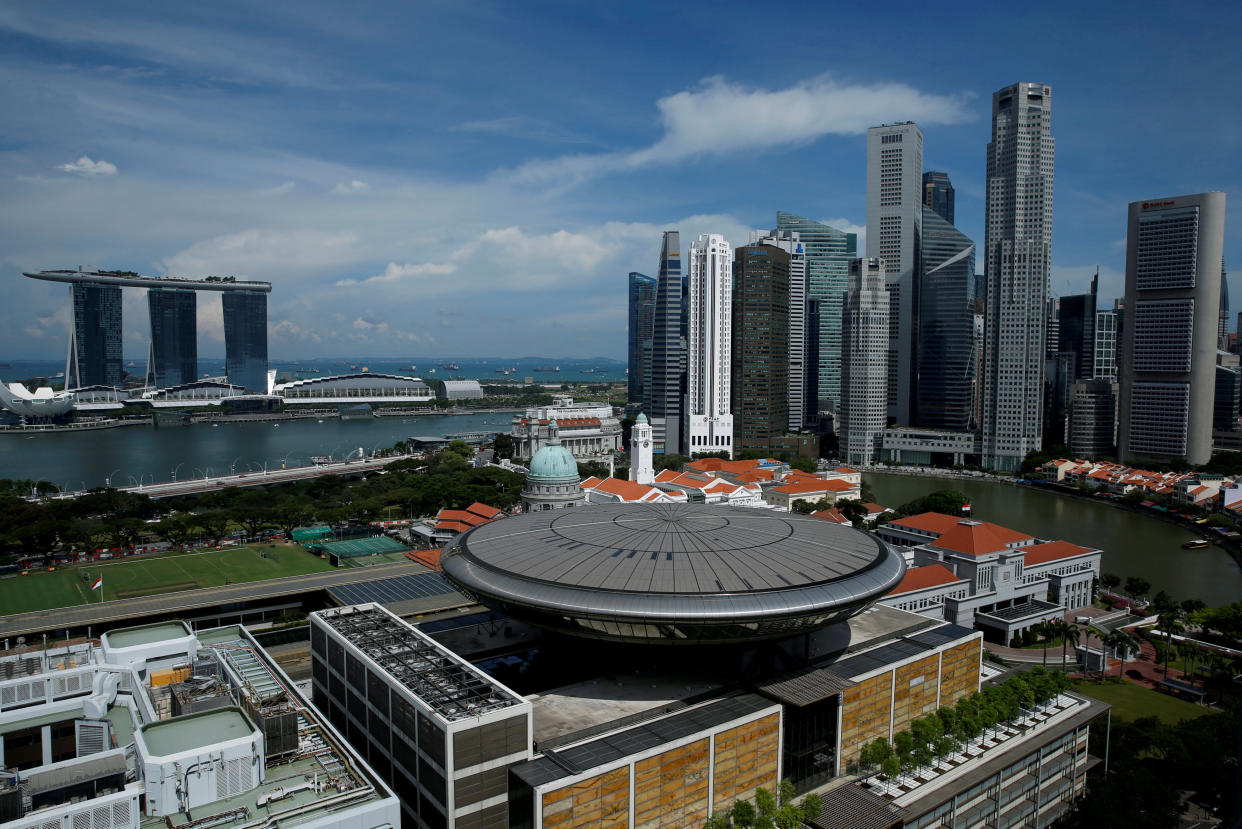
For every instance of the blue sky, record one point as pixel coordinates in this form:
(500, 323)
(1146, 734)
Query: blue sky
(475, 179)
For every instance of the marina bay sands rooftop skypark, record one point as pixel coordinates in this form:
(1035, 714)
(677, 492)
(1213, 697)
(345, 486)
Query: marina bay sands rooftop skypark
(94, 357)
(129, 279)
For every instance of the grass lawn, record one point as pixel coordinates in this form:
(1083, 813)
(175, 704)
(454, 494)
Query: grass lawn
(146, 575)
(1131, 701)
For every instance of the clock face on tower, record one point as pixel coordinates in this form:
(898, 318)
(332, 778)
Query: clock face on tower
(646, 444)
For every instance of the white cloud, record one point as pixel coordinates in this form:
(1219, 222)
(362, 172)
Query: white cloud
(33, 331)
(395, 272)
(209, 312)
(350, 188)
(361, 324)
(259, 253)
(278, 190)
(846, 226)
(720, 117)
(289, 330)
(84, 166)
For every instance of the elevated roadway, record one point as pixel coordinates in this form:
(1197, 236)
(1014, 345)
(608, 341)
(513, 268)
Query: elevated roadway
(79, 617)
(193, 486)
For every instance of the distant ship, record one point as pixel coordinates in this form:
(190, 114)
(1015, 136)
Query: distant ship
(449, 366)
(547, 368)
(1197, 544)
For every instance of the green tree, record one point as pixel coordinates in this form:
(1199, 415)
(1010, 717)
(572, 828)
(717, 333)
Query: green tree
(1110, 581)
(1136, 587)
(214, 524)
(503, 446)
(947, 501)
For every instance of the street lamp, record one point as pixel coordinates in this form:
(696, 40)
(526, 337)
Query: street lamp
(174, 472)
(233, 465)
(108, 478)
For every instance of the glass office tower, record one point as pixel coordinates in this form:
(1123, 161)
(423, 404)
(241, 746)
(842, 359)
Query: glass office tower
(828, 255)
(938, 194)
(174, 336)
(642, 316)
(245, 339)
(662, 398)
(95, 341)
(760, 357)
(946, 335)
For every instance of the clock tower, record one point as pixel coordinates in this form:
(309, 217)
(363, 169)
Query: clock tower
(641, 468)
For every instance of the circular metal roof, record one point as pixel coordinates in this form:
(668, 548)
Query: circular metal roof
(663, 563)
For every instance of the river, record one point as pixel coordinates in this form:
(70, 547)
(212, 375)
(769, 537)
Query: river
(1132, 544)
(127, 455)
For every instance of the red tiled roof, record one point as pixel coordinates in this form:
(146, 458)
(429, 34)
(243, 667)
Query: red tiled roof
(920, 578)
(721, 465)
(1051, 551)
(934, 522)
(975, 538)
(626, 490)
(486, 511)
(802, 486)
(427, 558)
(754, 476)
(874, 508)
(831, 514)
(845, 470)
(452, 526)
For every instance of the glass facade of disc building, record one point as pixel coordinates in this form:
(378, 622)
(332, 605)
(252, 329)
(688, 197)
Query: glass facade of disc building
(828, 255)
(174, 336)
(946, 339)
(245, 339)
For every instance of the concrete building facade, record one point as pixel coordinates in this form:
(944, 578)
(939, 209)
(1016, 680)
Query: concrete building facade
(665, 386)
(894, 233)
(1016, 259)
(1168, 363)
(709, 347)
(864, 403)
(588, 430)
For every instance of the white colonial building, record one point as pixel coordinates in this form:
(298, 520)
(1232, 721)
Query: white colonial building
(587, 430)
(981, 575)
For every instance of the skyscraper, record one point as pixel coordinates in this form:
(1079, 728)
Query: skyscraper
(1222, 333)
(642, 318)
(245, 339)
(1168, 365)
(1104, 364)
(94, 337)
(946, 344)
(938, 194)
(1071, 356)
(174, 336)
(894, 230)
(864, 404)
(709, 346)
(1017, 252)
(761, 345)
(828, 255)
(799, 365)
(662, 395)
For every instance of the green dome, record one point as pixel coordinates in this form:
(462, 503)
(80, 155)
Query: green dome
(642, 418)
(553, 463)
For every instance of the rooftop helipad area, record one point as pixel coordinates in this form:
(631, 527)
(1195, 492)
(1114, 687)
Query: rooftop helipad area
(673, 571)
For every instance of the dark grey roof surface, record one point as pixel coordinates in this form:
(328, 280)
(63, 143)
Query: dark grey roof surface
(1027, 608)
(856, 808)
(805, 687)
(671, 560)
(565, 762)
(673, 548)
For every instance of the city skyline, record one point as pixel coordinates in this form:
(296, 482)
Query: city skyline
(427, 187)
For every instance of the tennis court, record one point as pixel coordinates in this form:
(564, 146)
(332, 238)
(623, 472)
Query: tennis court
(354, 547)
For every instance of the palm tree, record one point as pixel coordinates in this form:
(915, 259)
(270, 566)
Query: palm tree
(1066, 630)
(1168, 624)
(1122, 642)
(1044, 630)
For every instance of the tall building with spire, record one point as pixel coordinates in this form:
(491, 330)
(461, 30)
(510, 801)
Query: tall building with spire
(894, 230)
(829, 252)
(1017, 253)
(662, 394)
(938, 194)
(709, 347)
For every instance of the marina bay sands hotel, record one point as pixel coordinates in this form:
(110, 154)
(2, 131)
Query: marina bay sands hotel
(94, 357)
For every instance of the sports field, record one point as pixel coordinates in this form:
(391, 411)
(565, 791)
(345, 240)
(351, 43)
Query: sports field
(145, 576)
(1131, 701)
(354, 547)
